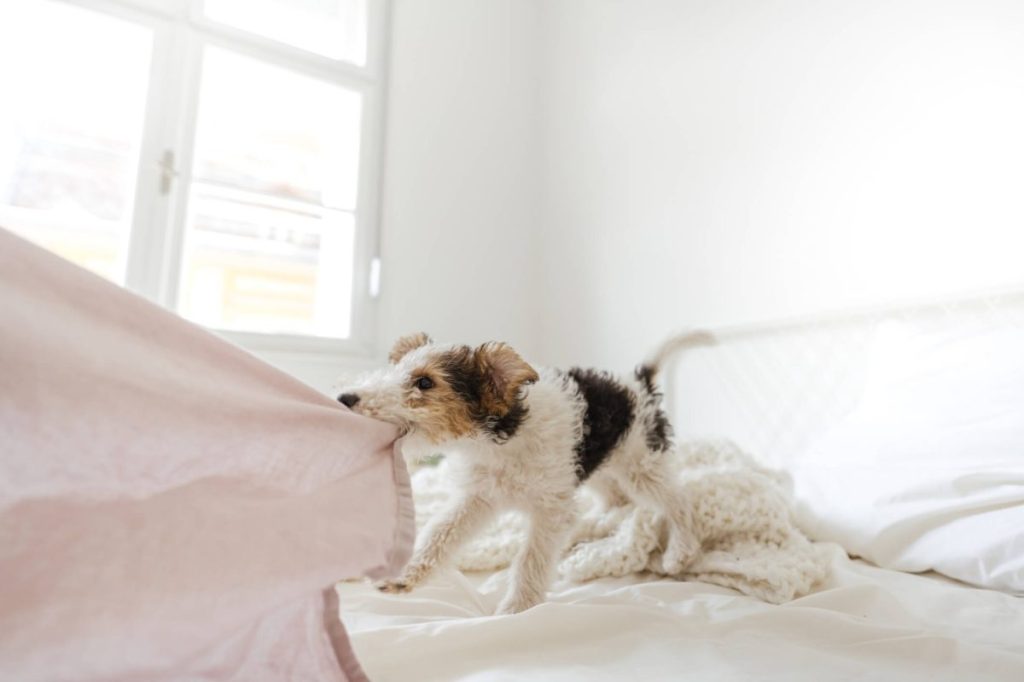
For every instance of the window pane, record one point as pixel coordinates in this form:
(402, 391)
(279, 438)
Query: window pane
(270, 231)
(333, 28)
(74, 91)
(257, 263)
(268, 129)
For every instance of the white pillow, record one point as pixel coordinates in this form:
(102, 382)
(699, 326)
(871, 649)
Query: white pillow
(927, 473)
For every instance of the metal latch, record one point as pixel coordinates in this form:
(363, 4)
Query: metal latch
(167, 171)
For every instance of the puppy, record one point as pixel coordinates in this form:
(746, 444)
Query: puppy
(526, 439)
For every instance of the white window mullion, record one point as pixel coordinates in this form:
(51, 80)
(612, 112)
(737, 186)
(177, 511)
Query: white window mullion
(367, 267)
(179, 136)
(367, 246)
(150, 214)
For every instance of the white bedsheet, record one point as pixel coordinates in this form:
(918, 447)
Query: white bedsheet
(866, 623)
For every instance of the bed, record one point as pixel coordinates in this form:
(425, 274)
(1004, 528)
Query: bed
(901, 430)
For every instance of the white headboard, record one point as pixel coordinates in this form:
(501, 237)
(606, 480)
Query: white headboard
(774, 387)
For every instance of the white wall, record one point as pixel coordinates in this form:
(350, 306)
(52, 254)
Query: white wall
(709, 162)
(461, 212)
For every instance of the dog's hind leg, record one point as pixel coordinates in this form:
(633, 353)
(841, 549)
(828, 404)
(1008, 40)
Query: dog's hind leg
(648, 480)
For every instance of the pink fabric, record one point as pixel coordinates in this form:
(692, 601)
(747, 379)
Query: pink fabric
(172, 508)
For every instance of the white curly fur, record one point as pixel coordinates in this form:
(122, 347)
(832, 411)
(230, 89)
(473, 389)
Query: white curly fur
(741, 515)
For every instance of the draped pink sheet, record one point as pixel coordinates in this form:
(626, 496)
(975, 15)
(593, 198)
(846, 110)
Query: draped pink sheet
(172, 508)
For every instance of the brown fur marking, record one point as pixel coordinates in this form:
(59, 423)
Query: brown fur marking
(447, 415)
(505, 373)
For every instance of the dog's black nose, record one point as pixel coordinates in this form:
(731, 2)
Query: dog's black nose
(348, 399)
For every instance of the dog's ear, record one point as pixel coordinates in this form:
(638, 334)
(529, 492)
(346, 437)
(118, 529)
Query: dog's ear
(503, 373)
(407, 343)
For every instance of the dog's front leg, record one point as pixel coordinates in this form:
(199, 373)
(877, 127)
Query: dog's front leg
(445, 533)
(535, 563)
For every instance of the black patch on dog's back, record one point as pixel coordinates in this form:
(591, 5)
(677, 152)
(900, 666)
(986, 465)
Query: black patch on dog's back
(610, 410)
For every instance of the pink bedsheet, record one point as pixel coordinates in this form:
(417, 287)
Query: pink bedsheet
(172, 508)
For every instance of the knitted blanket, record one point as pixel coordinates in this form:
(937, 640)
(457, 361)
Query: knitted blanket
(741, 513)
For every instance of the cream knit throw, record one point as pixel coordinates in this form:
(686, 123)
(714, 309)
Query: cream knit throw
(741, 512)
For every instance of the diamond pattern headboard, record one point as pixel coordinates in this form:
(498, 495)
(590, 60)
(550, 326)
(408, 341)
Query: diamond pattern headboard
(775, 387)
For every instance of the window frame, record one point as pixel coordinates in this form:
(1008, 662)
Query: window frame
(155, 248)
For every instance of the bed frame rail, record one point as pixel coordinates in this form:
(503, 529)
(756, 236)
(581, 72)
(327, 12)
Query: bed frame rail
(774, 387)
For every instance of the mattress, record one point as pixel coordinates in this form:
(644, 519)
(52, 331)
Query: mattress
(865, 623)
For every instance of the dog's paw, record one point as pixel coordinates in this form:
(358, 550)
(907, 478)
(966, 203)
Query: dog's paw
(393, 586)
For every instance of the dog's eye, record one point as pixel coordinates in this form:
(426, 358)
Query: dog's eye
(424, 383)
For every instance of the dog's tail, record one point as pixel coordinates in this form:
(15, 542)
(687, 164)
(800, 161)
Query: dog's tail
(648, 371)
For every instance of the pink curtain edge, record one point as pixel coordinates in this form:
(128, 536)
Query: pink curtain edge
(338, 639)
(405, 528)
(401, 549)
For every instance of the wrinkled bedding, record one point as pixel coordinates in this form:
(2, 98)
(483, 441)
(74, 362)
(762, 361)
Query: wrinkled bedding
(864, 623)
(172, 508)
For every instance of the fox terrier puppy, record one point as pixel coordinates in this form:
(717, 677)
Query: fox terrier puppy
(526, 439)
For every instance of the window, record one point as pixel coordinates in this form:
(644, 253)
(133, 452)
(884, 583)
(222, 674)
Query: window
(217, 156)
(71, 129)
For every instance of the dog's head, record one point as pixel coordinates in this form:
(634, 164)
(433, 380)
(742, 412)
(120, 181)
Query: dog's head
(444, 392)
